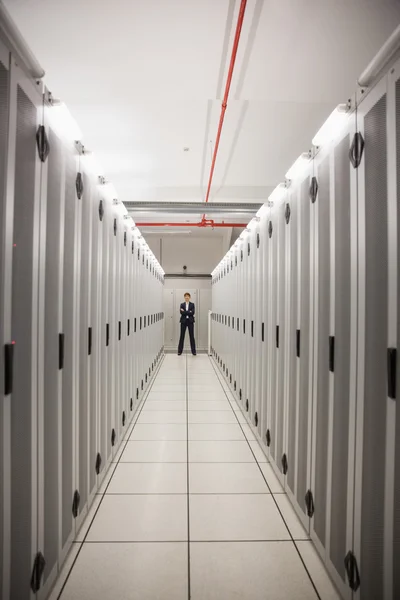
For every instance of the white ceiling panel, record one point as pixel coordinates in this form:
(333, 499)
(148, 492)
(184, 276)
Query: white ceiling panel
(144, 79)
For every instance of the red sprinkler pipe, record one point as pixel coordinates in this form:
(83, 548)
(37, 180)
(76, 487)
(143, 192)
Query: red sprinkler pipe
(202, 223)
(227, 88)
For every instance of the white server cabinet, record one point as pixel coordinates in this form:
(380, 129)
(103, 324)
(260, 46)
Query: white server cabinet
(22, 205)
(4, 316)
(377, 432)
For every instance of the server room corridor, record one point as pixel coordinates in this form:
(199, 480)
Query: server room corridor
(191, 507)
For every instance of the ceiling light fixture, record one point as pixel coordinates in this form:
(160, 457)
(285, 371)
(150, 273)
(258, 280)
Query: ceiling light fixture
(65, 122)
(278, 193)
(332, 126)
(298, 166)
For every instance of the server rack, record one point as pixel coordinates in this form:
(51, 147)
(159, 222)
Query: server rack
(331, 285)
(68, 368)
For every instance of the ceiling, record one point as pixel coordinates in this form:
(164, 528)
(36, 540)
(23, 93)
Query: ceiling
(144, 79)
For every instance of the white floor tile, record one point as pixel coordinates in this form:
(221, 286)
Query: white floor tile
(149, 478)
(162, 416)
(157, 452)
(207, 397)
(129, 572)
(215, 432)
(316, 568)
(259, 454)
(168, 387)
(272, 480)
(211, 416)
(151, 405)
(159, 432)
(220, 452)
(161, 396)
(251, 571)
(226, 478)
(204, 388)
(292, 520)
(235, 517)
(208, 405)
(140, 518)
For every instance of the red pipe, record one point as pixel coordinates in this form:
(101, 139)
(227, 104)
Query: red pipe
(227, 87)
(202, 223)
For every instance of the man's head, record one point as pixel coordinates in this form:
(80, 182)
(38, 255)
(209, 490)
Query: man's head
(187, 297)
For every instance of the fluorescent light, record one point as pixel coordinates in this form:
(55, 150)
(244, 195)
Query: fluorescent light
(332, 126)
(66, 123)
(278, 193)
(298, 166)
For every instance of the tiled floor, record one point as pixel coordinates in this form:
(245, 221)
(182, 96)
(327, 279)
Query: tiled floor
(192, 508)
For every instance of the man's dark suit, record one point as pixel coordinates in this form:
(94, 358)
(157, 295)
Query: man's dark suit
(187, 321)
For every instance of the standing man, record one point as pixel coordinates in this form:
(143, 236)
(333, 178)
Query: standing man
(187, 321)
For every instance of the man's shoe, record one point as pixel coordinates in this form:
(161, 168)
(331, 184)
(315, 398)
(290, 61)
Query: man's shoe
(194, 353)
(179, 353)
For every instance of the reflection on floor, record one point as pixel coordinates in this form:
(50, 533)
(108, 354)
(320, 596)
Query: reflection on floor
(191, 508)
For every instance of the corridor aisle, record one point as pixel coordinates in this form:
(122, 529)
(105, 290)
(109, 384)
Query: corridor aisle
(191, 508)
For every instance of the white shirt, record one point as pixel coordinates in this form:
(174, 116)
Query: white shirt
(187, 308)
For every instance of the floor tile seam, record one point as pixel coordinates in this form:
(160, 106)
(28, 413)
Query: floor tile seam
(276, 503)
(188, 480)
(112, 475)
(200, 541)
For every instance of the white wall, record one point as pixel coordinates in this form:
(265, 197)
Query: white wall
(199, 254)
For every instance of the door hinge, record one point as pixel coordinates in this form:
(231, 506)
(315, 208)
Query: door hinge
(356, 150)
(230, 378)
(131, 404)
(332, 353)
(39, 565)
(98, 463)
(113, 436)
(89, 341)
(61, 344)
(119, 330)
(270, 229)
(268, 437)
(8, 368)
(284, 464)
(258, 240)
(133, 247)
(240, 394)
(75, 504)
(115, 226)
(244, 325)
(123, 418)
(277, 336)
(298, 343)
(309, 503)
(247, 405)
(42, 142)
(234, 386)
(351, 566)
(287, 214)
(128, 328)
(125, 238)
(142, 385)
(392, 372)
(79, 185)
(137, 393)
(107, 334)
(252, 329)
(256, 419)
(313, 191)
(101, 210)
(262, 332)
